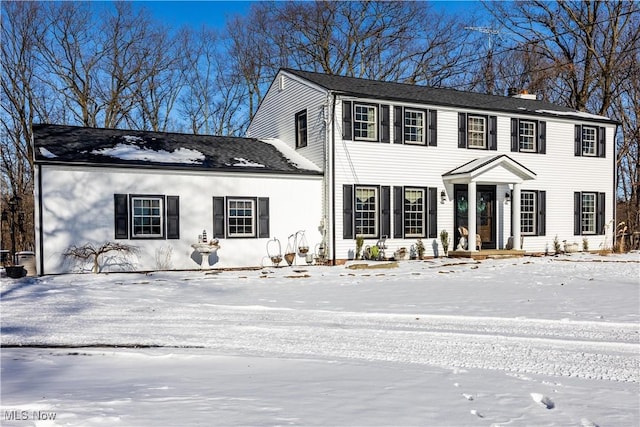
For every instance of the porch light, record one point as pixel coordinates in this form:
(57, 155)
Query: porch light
(443, 197)
(507, 197)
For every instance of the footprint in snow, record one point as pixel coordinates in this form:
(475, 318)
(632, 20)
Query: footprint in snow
(467, 396)
(543, 400)
(476, 413)
(585, 422)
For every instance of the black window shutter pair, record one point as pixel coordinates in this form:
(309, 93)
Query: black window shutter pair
(219, 213)
(384, 124)
(601, 144)
(541, 136)
(577, 213)
(121, 208)
(492, 131)
(348, 217)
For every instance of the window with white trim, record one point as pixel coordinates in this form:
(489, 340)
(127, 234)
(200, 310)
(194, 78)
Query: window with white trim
(147, 217)
(588, 213)
(527, 136)
(589, 141)
(414, 212)
(528, 210)
(414, 126)
(241, 217)
(365, 123)
(366, 211)
(476, 132)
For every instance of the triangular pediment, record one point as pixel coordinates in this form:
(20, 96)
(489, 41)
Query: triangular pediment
(499, 169)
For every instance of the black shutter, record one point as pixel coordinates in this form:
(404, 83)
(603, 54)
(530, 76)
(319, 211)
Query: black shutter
(121, 210)
(347, 122)
(432, 206)
(462, 130)
(577, 213)
(542, 137)
(600, 210)
(578, 140)
(398, 118)
(493, 133)
(384, 123)
(218, 218)
(433, 128)
(385, 211)
(542, 213)
(515, 140)
(263, 217)
(347, 212)
(602, 147)
(398, 208)
(173, 217)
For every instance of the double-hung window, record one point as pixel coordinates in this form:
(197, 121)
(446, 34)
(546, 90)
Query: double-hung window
(414, 126)
(589, 138)
(365, 122)
(528, 210)
(589, 212)
(527, 136)
(146, 218)
(241, 217)
(366, 211)
(301, 129)
(477, 132)
(414, 212)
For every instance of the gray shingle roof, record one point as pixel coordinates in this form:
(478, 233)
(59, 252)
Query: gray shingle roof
(116, 147)
(439, 96)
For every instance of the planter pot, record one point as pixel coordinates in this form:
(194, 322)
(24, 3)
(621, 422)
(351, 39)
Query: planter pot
(290, 257)
(15, 271)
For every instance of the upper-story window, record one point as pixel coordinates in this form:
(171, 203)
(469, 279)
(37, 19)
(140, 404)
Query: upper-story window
(528, 136)
(301, 129)
(589, 145)
(590, 141)
(477, 131)
(414, 126)
(365, 122)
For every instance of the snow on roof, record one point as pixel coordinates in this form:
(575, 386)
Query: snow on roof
(134, 152)
(292, 155)
(246, 163)
(46, 153)
(581, 114)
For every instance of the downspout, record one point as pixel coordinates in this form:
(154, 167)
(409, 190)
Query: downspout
(333, 180)
(615, 191)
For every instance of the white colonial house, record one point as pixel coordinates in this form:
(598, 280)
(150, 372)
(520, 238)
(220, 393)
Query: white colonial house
(328, 159)
(406, 162)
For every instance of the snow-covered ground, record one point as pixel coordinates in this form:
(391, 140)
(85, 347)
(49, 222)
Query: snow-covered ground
(552, 341)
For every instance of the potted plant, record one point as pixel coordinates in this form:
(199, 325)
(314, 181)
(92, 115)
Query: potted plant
(420, 248)
(359, 243)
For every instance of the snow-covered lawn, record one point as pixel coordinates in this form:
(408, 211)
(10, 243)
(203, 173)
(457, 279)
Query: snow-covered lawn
(520, 342)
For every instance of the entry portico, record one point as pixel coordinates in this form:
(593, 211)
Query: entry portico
(490, 170)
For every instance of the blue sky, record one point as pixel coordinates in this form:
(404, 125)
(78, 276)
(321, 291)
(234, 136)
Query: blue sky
(215, 13)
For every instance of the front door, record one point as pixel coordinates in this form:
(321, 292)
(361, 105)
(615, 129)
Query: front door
(485, 213)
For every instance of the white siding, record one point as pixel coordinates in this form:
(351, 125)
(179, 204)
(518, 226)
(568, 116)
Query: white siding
(275, 117)
(79, 208)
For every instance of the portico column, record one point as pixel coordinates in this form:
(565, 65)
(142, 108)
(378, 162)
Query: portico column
(515, 211)
(471, 211)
